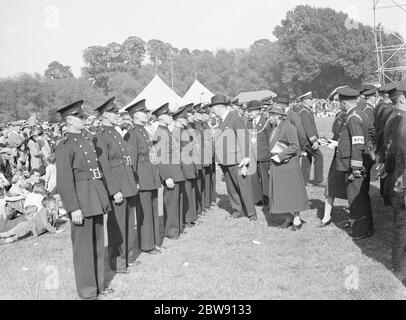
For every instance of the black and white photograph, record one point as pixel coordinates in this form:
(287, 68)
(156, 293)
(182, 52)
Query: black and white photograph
(202, 155)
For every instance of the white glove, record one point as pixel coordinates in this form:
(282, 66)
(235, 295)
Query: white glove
(276, 158)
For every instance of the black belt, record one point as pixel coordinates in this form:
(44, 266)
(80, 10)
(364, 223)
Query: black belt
(94, 174)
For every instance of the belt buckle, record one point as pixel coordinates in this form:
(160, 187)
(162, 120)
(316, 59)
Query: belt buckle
(96, 173)
(128, 161)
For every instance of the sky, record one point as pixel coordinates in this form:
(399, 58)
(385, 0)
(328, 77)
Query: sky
(34, 33)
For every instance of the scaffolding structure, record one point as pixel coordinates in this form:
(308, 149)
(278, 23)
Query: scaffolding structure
(386, 53)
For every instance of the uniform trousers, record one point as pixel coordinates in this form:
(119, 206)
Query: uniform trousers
(199, 190)
(189, 201)
(173, 209)
(121, 234)
(88, 256)
(207, 187)
(213, 194)
(263, 173)
(399, 236)
(360, 205)
(318, 166)
(238, 189)
(147, 219)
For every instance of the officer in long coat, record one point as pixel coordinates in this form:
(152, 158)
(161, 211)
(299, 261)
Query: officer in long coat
(116, 161)
(287, 192)
(84, 197)
(234, 155)
(172, 175)
(354, 157)
(395, 186)
(147, 178)
(260, 140)
(313, 151)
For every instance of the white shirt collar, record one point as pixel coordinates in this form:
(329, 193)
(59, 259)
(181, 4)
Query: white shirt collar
(224, 116)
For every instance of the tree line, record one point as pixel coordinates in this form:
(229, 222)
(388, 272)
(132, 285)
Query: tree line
(314, 51)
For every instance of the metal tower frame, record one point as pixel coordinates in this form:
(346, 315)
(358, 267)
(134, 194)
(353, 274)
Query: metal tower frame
(386, 74)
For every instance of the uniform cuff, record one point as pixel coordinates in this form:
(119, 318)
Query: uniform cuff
(313, 139)
(356, 164)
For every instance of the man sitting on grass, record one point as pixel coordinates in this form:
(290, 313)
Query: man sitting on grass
(38, 222)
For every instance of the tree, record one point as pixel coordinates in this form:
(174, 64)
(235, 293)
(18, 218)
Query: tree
(134, 50)
(321, 53)
(57, 70)
(96, 68)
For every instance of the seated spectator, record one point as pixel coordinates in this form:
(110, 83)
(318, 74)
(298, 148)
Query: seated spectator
(18, 185)
(36, 196)
(39, 222)
(50, 175)
(35, 177)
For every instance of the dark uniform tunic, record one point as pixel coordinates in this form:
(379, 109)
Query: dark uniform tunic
(189, 203)
(396, 167)
(168, 157)
(261, 148)
(294, 118)
(370, 112)
(200, 176)
(80, 184)
(148, 180)
(336, 187)
(207, 156)
(354, 153)
(116, 161)
(312, 136)
(384, 109)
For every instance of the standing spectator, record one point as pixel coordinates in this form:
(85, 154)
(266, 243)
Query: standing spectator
(36, 155)
(43, 144)
(50, 175)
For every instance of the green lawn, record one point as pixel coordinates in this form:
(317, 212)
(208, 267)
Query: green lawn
(218, 259)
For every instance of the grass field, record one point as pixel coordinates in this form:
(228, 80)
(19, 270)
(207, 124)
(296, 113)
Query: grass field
(219, 259)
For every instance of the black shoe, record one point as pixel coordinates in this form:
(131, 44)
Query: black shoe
(344, 225)
(125, 271)
(253, 217)
(324, 224)
(173, 237)
(319, 184)
(189, 225)
(296, 227)
(107, 291)
(153, 251)
(362, 236)
(286, 224)
(235, 215)
(133, 264)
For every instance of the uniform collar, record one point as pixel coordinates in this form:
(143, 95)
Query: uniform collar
(352, 109)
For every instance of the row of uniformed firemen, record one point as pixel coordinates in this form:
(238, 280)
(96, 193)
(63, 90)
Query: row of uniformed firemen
(120, 173)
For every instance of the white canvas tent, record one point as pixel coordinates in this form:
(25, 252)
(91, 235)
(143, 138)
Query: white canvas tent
(197, 93)
(156, 93)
